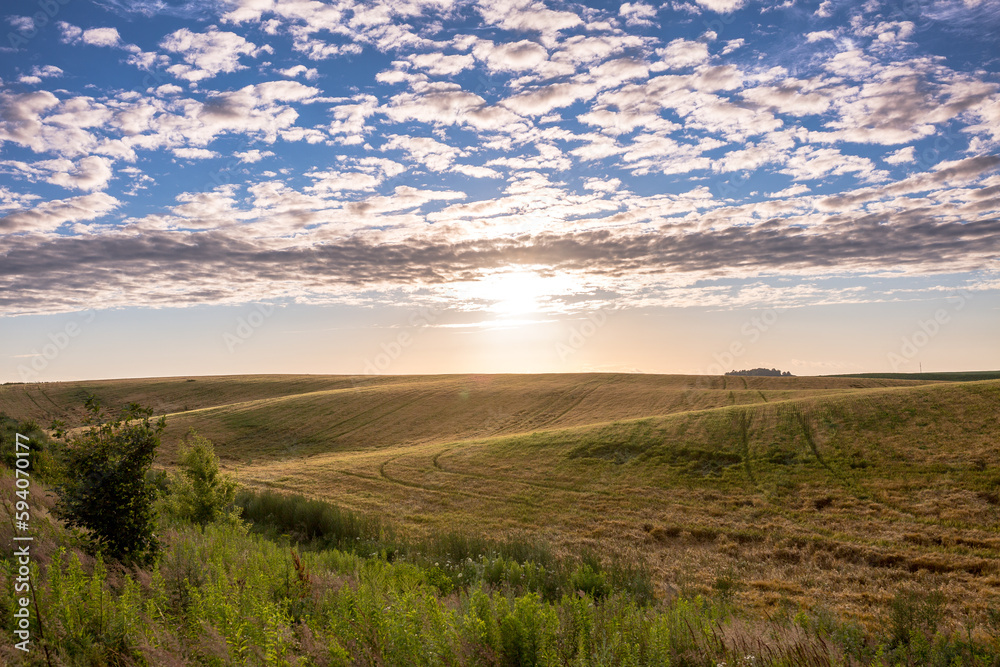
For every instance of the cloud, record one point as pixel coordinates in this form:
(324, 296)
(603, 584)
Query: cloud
(953, 173)
(207, 54)
(429, 153)
(194, 153)
(602, 185)
(349, 123)
(732, 45)
(38, 73)
(546, 98)
(721, 6)
(792, 191)
(253, 156)
(21, 23)
(101, 37)
(217, 266)
(89, 173)
(439, 64)
(578, 138)
(808, 163)
(514, 56)
(527, 16)
(21, 118)
(14, 200)
(681, 53)
(898, 102)
(902, 156)
(473, 171)
(819, 35)
(449, 105)
(795, 97)
(51, 215)
(637, 13)
(308, 73)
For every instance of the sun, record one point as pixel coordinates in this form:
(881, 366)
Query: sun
(512, 293)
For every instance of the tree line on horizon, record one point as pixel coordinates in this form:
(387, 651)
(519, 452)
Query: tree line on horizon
(762, 372)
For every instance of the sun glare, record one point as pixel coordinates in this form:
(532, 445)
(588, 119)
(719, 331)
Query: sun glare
(512, 294)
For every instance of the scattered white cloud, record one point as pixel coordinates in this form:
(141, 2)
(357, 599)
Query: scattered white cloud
(902, 156)
(207, 54)
(307, 73)
(101, 37)
(721, 6)
(194, 153)
(819, 35)
(603, 184)
(637, 13)
(253, 156)
(792, 191)
(681, 53)
(439, 64)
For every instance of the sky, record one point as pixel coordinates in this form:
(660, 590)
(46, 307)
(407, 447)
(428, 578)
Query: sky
(445, 186)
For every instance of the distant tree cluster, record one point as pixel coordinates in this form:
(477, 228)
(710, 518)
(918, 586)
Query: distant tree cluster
(763, 372)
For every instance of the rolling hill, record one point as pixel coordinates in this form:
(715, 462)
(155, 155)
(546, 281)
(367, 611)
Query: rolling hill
(837, 490)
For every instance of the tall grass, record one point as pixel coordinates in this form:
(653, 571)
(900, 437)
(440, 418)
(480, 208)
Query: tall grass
(222, 596)
(456, 560)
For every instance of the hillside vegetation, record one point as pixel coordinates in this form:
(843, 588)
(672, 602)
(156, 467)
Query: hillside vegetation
(780, 494)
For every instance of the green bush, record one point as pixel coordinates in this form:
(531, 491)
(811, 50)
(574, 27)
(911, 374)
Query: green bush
(106, 493)
(42, 460)
(201, 494)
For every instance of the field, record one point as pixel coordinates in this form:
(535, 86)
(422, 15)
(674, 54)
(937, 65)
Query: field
(781, 493)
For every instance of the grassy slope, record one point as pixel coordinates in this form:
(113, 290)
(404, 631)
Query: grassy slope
(834, 489)
(250, 417)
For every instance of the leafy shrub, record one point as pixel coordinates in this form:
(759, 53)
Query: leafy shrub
(42, 461)
(200, 493)
(528, 632)
(591, 581)
(107, 493)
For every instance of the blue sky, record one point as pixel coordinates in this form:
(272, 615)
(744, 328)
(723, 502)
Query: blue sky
(672, 170)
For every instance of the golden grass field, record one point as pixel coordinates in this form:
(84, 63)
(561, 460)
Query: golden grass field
(790, 491)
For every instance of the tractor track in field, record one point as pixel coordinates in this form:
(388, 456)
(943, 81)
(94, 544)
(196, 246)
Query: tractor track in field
(556, 418)
(413, 485)
(540, 485)
(370, 421)
(58, 407)
(32, 399)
